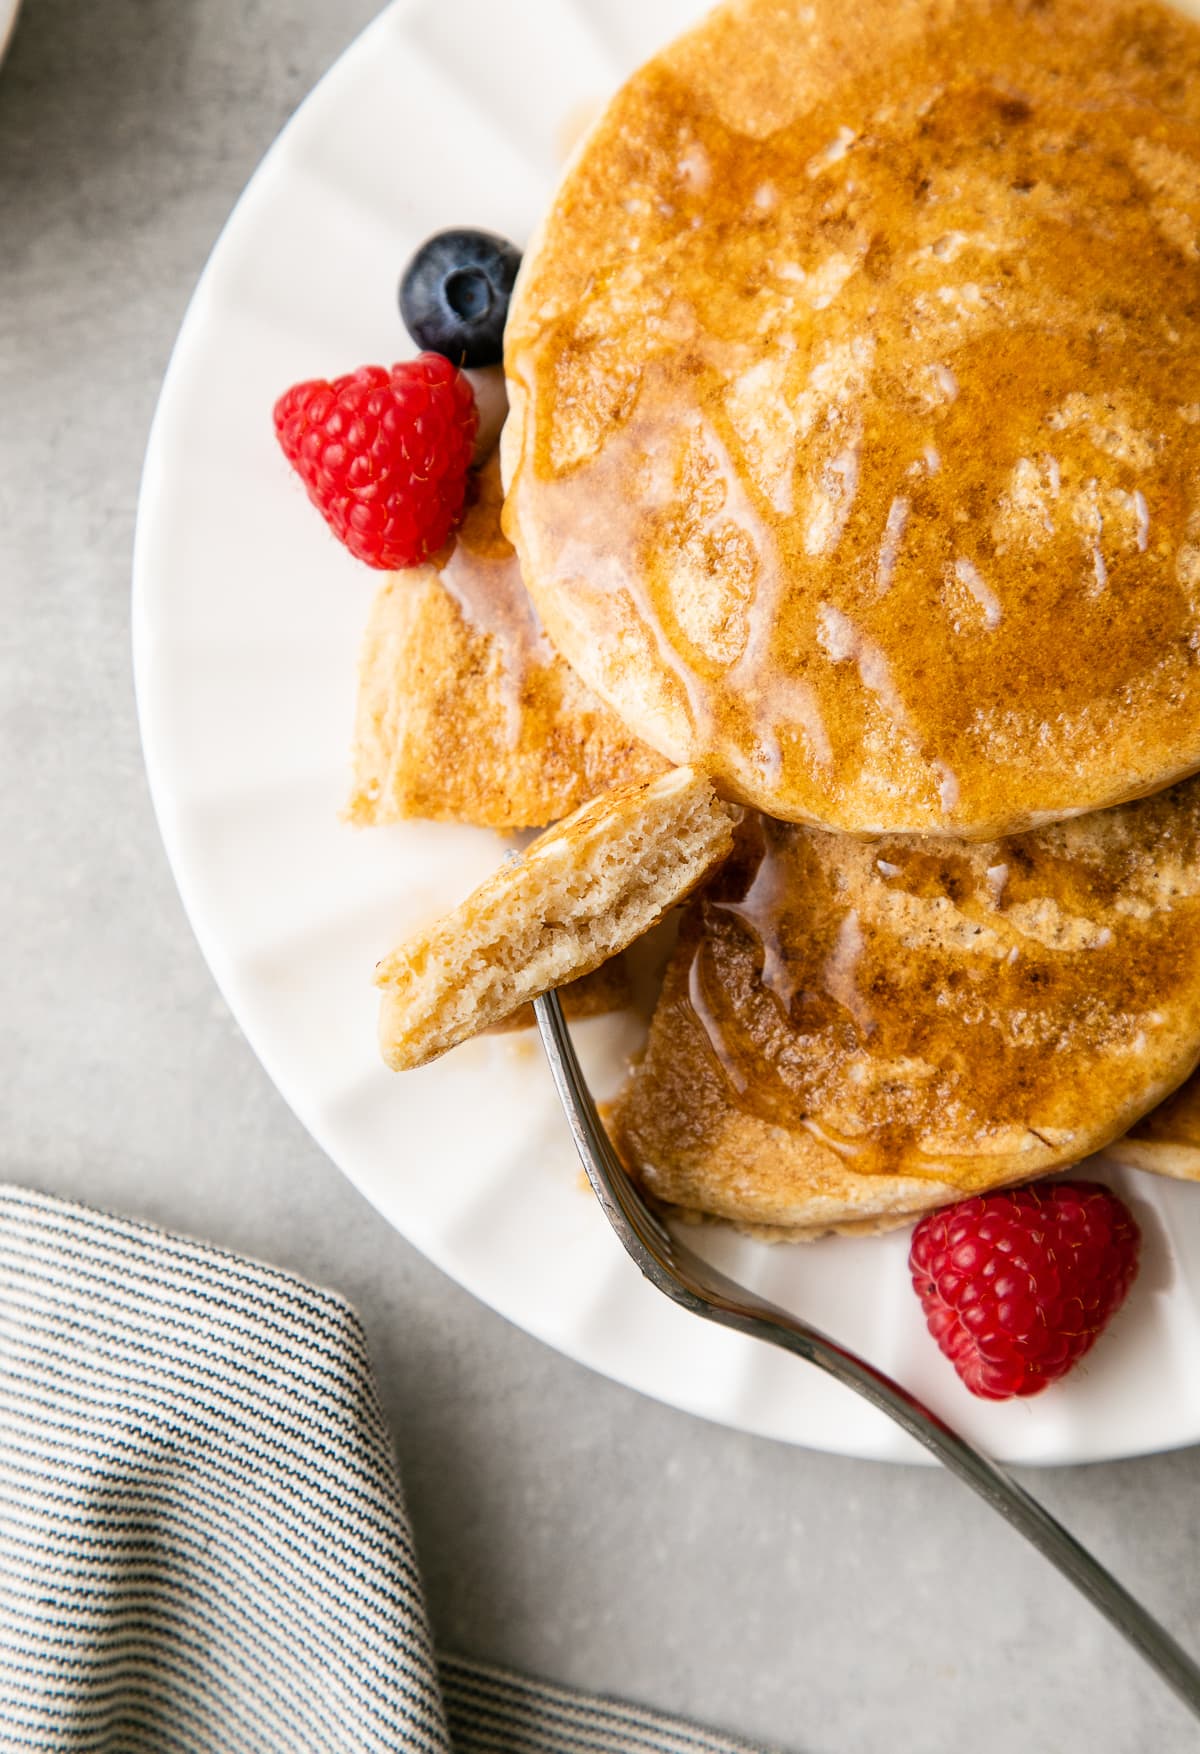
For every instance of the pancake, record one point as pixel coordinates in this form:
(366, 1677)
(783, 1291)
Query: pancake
(582, 892)
(855, 435)
(607, 988)
(1167, 1140)
(465, 712)
(851, 1033)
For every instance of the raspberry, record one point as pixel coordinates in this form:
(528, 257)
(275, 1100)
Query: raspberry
(384, 455)
(1017, 1286)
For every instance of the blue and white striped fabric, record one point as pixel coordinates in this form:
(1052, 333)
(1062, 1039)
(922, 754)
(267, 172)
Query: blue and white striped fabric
(203, 1543)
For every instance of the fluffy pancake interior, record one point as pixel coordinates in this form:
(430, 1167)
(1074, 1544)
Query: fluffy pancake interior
(607, 988)
(582, 892)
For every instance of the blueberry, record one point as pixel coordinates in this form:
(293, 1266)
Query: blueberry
(454, 295)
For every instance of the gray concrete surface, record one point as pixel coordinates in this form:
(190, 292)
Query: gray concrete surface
(566, 1525)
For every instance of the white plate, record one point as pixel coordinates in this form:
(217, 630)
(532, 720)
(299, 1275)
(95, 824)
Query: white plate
(247, 620)
(8, 19)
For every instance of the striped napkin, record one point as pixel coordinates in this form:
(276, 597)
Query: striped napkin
(203, 1541)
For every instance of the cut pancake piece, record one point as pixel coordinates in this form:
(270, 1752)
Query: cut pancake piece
(583, 891)
(853, 1032)
(1167, 1140)
(607, 988)
(854, 445)
(465, 712)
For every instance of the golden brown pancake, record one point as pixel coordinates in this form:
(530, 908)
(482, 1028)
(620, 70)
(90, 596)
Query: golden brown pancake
(1167, 1140)
(852, 1032)
(465, 712)
(855, 433)
(580, 894)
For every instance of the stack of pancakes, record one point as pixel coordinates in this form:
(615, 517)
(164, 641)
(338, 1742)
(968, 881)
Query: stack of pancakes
(854, 459)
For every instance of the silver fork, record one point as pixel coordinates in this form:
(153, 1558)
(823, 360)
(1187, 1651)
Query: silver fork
(705, 1291)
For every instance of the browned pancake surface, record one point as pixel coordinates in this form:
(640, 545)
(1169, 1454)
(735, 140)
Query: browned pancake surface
(855, 447)
(854, 1030)
(1167, 1140)
(465, 712)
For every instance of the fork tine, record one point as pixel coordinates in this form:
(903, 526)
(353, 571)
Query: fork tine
(622, 1201)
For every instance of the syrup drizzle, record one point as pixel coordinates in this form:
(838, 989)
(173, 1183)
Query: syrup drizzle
(909, 314)
(887, 997)
(481, 572)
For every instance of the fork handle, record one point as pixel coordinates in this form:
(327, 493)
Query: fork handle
(707, 1292)
(1005, 1496)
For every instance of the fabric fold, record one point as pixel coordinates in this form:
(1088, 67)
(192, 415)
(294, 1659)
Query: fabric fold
(203, 1540)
